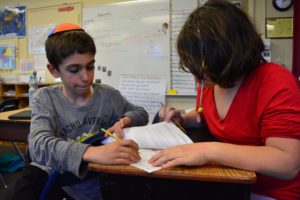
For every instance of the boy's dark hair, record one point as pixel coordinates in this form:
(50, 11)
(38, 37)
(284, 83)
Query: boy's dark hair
(63, 44)
(218, 42)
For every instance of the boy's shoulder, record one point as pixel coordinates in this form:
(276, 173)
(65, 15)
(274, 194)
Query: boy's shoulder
(45, 92)
(51, 88)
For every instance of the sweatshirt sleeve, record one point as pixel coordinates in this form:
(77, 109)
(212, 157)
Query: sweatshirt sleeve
(47, 147)
(123, 107)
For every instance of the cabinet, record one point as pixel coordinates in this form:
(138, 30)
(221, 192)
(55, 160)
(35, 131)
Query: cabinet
(17, 90)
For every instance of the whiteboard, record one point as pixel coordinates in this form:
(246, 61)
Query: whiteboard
(184, 83)
(131, 38)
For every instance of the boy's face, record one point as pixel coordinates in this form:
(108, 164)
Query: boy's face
(77, 74)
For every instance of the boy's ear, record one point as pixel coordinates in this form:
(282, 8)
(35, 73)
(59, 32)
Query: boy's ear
(53, 71)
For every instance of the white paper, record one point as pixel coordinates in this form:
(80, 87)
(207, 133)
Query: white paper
(37, 36)
(148, 91)
(155, 136)
(26, 66)
(144, 164)
(151, 139)
(40, 62)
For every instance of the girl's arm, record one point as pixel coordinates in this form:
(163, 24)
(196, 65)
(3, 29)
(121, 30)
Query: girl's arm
(280, 157)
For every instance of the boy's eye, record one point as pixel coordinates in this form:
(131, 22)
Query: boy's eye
(74, 70)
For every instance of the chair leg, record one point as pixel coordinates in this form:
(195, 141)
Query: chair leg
(3, 181)
(18, 150)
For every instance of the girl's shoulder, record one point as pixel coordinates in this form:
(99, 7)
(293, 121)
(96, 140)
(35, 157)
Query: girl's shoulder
(272, 73)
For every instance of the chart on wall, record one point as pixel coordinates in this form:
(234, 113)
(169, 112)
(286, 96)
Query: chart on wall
(182, 83)
(8, 57)
(131, 38)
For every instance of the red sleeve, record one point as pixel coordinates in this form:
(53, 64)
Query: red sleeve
(281, 105)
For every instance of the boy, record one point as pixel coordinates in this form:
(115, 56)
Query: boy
(63, 114)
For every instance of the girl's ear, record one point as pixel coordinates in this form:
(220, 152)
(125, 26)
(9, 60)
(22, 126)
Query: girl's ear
(53, 71)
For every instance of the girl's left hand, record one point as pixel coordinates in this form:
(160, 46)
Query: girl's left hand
(119, 125)
(188, 154)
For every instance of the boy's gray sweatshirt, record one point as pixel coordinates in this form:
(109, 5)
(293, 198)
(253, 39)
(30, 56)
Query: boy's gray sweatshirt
(56, 123)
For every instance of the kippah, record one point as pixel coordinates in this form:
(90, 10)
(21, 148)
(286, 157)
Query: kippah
(63, 28)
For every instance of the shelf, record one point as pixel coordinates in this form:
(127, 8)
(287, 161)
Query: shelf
(17, 90)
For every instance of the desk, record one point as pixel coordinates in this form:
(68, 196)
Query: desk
(210, 173)
(209, 181)
(13, 130)
(178, 183)
(182, 183)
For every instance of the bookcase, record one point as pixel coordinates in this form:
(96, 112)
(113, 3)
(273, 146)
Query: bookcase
(17, 90)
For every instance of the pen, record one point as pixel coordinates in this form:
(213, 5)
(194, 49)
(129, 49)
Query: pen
(110, 134)
(174, 120)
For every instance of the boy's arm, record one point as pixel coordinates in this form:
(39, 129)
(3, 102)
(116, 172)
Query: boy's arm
(50, 150)
(137, 114)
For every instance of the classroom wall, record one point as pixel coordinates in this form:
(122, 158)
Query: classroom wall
(281, 49)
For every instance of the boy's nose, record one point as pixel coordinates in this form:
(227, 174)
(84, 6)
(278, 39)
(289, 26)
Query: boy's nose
(84, 75)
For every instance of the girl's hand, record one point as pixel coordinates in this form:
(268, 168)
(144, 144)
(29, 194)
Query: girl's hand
(188, 154)
(119, 152)
(119, 125)
(168, 113)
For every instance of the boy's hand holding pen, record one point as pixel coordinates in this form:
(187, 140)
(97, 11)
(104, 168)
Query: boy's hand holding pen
(117, 128)
(170, 114)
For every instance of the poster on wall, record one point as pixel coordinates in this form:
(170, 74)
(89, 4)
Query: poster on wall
(7, 57)
(12, 22)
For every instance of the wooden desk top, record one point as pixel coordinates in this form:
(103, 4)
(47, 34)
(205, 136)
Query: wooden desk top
(210, 173)
(13, 130)
(4, 116)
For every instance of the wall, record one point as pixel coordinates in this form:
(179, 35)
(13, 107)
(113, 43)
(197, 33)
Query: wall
(281, 49)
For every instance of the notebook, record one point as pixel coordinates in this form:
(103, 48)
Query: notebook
(25, 114)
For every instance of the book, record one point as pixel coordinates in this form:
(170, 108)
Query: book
(151, 139)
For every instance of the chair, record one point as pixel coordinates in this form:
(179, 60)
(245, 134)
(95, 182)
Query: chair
(7, 105)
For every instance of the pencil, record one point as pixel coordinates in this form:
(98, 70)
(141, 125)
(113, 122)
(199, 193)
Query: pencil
(174, 120)
(110, 134)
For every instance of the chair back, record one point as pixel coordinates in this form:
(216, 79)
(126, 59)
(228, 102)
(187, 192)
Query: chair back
(9, 104)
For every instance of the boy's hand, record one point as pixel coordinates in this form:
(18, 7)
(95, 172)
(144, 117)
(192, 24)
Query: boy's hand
(119, 152)
(118, 126)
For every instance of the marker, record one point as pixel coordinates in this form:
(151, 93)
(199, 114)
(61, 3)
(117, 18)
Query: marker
(110, 134)
(199, 107)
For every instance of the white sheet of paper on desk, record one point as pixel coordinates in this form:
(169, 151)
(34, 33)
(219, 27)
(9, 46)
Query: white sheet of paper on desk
(155, 136)
(143, 164)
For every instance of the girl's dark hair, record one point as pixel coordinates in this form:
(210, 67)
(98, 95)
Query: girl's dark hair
(218, 42)
(61, 45)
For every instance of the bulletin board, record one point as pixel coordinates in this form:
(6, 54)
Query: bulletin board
(281, 27)
(131, 38)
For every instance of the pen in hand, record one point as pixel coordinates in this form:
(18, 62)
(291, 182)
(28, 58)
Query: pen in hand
(175, 121)
(110, 134)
